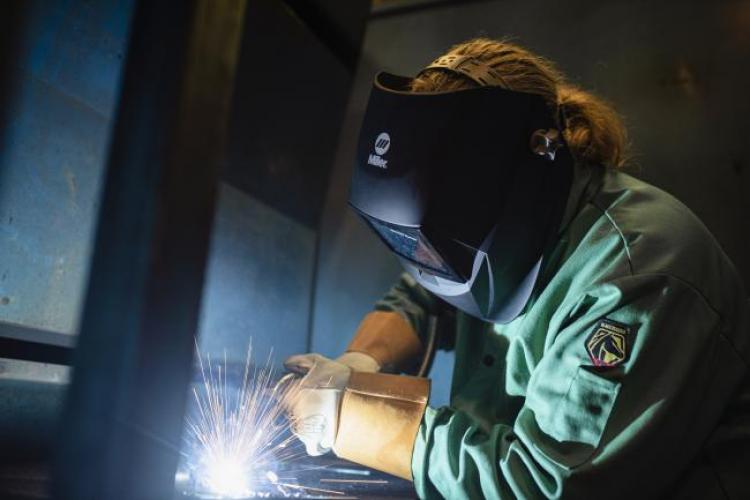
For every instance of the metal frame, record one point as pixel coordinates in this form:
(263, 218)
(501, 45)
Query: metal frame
(124, 411)
(32, 344)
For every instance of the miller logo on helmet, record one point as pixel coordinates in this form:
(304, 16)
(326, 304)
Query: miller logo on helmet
(382, 145)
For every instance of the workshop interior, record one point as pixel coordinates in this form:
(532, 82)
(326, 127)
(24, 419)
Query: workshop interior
(175, 219)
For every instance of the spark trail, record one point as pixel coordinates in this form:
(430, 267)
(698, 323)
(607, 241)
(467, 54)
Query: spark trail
(238, 438)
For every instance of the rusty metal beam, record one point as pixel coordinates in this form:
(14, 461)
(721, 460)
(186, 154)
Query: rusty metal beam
(122, 424)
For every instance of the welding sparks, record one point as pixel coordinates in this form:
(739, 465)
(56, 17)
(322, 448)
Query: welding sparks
(238, 434)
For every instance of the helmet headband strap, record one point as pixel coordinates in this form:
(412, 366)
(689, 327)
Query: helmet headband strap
(476, 71)
(482, 74)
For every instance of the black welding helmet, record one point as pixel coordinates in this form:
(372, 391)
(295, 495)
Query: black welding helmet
(466, 187)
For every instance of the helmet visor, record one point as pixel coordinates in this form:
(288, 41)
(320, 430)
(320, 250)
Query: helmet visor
(413, 244)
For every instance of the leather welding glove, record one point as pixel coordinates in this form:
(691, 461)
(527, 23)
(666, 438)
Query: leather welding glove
(315, 406)
(357, 361)
(384, 341)
(367, 417)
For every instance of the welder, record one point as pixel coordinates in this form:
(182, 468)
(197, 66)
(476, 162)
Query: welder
(601, 334)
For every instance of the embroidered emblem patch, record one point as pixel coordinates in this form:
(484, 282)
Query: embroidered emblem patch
(608, 343)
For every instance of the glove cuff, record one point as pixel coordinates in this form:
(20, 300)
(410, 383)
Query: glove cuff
(379, 419)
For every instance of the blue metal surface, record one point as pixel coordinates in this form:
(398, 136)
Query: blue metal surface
(67, 71)
(56, 124)
(290, 97)
(50, 172)
(77, 46)
(259, 280)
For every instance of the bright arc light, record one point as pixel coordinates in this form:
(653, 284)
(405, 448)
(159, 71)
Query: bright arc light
(228, 478)
(238, 430)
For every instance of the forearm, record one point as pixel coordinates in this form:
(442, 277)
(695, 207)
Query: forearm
(394, 332)
(412, 302)
(388, 338)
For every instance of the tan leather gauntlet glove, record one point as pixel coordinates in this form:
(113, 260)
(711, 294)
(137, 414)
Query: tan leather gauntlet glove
(379, 419)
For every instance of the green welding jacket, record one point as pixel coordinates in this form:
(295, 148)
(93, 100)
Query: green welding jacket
(624, 377)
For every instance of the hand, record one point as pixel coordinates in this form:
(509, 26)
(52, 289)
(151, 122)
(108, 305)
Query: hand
(314, 409)
(357, 361)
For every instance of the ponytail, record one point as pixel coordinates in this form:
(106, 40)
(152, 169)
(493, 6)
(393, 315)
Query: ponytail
(592, 128)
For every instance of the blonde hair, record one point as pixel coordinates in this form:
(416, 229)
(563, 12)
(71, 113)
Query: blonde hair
(593, 129)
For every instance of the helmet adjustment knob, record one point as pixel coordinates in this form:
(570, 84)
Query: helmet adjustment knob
(545, 143)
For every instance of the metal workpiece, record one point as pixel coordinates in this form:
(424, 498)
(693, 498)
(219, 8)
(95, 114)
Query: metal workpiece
(120, 431)
(318, 477)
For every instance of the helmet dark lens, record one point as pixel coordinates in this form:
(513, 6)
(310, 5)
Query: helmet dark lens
(460, 255)
(411, 244)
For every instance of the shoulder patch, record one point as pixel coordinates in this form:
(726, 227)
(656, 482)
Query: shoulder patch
(608, 343)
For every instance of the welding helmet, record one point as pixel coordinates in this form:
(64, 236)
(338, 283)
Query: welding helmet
(467, 188)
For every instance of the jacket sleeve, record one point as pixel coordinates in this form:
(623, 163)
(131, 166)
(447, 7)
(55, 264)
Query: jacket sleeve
(625, 429)
(393, 333)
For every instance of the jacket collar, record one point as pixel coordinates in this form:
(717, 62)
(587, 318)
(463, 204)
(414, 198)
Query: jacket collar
(587, 181)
